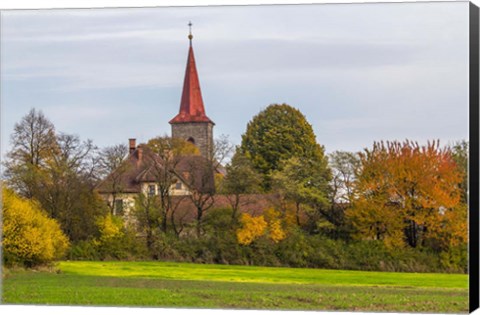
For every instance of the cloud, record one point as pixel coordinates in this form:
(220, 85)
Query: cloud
(358, 72)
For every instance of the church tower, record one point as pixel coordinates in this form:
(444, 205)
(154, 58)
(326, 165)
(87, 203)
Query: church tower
(191, 123)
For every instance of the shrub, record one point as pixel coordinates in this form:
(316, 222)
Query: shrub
(30, 238)
(83, 250)
(114, 242)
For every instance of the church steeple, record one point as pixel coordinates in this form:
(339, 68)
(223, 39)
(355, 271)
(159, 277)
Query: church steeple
(191, 104)
(191, 123)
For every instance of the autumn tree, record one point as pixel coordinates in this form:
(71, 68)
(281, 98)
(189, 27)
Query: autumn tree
(30, 237)
(278, 133)
(270, 225)
(251, 228)
(407, 194)
(58, 170)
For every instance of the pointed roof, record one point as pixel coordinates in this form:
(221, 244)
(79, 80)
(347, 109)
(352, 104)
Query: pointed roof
(191, 105)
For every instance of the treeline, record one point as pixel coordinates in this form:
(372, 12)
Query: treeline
(398, 206)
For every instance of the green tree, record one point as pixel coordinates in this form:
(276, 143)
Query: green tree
(460, 156)
(148, 218)
(305, 183)
(278, 133)
(241, 179)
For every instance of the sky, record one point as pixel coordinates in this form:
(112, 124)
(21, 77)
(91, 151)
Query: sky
(358, 72)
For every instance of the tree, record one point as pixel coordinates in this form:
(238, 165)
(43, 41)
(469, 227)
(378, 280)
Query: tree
(30, 238)
(303, 182)
(112, 164)
(270, 224)
(67, 187)
(164, 156)
(406, 194)
(460, 155)
(278, 133)
(252, 228)
(33, 143)
(58, 170)
(241, 179)
(344, 165)
(197, 173)
(148, 218)
(222, 150)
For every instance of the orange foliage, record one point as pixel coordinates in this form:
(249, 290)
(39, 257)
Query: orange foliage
(407, 194)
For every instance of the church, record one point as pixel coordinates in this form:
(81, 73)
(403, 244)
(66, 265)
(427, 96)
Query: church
(139, 171)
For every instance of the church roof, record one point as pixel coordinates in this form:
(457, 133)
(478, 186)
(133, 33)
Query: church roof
(191, 105)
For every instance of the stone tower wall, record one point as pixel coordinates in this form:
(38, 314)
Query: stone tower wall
(200, 132)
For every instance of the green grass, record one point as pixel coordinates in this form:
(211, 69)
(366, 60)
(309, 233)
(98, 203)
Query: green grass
(220, 286)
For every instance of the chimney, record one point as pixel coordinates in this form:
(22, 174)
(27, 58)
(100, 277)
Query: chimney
(131, 145)
(140, 154)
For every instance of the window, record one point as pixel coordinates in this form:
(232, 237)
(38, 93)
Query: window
(178, 185)
(151, 190)
(118, 207)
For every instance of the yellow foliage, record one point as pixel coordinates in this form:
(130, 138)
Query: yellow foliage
(270, 223)
(276, 231)
(274, 221)
(29, 236)
(108, 228)
(252, 228)
(271, 214)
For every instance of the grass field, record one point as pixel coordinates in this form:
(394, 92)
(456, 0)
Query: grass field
(219, 286)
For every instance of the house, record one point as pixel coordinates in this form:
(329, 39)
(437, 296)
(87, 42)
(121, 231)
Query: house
(140, 172)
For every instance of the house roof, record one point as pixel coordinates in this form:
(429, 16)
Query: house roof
(127, 177)
(191, 105)
(142, 166)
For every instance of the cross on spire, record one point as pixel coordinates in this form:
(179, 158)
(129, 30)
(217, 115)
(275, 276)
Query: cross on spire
(190, 36)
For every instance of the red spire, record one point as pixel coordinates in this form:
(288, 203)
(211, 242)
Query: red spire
(191, 105)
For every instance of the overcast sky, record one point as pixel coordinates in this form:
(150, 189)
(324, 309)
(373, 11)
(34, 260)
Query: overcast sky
(358, 72)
